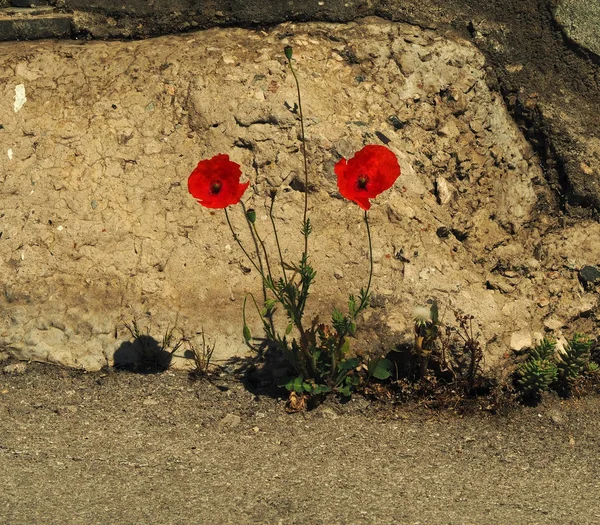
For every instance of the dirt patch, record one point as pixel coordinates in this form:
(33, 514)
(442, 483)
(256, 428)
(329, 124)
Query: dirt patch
(117, 447)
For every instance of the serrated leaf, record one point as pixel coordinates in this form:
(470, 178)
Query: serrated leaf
(296, 385)
(337, 316)
(345, 391)
(352, 305)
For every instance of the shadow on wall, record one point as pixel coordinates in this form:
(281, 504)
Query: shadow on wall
(143, 355)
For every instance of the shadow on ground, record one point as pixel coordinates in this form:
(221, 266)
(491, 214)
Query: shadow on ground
(143, 355)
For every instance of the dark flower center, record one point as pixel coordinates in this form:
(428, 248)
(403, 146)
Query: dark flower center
(215, 187)
(361, 182)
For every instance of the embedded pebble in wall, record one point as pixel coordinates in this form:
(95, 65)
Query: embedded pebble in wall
(20, 97)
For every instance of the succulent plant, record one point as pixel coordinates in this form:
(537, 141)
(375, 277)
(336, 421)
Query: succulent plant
(545, 368)
(575, 357)
(545, 349)
(537, 375)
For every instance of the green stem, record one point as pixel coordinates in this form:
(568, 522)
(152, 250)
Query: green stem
(264, 249)
(255, 305)
(303, 139)
(254, 235)
(260, 263)
(237, 239)
(277, 242)
(366, 296)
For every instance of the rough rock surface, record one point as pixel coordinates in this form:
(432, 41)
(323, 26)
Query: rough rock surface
(580, 20)
(551, 87)
(97, 225)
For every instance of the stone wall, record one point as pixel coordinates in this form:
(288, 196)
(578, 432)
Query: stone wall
(99, 138)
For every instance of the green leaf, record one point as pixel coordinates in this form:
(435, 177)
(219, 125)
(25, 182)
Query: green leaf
(289, 328)
(345, 348)
(337, 316)
(353, 380)
(321, 389)
(382, 369)
(352, 329)
(296, 385)
(349, 364)
(352, 305)
(345, 390)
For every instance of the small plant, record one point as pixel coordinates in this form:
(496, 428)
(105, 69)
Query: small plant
(546, 368)
(378, 368)
(573, 360)
(427, 329)
(455, 351)
(539, 372)
(318, 353)
(152, 356)
(201, 353)
(464, 357)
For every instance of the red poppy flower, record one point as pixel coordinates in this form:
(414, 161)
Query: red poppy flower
(370, 172)
(215, 183)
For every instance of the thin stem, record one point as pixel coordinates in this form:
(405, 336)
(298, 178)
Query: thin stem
(277, 242)
(237, 239)
(255, 305)
(366, 297)
(264, 248)
(254, 235)
(260, 263)
(303, 139)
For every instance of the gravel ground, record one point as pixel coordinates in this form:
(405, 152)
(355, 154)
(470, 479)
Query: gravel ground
(117, 447)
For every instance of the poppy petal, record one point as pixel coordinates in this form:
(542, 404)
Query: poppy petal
(215, 182)
(371, 171)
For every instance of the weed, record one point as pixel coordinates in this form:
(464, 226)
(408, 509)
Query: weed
(461, 351)
(450, 352)
(427, 329)
(152, 356)
(318, 353)
(201, 353)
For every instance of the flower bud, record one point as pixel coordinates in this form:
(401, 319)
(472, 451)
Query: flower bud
(247, 333)
(289, 51)
(251, 215)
